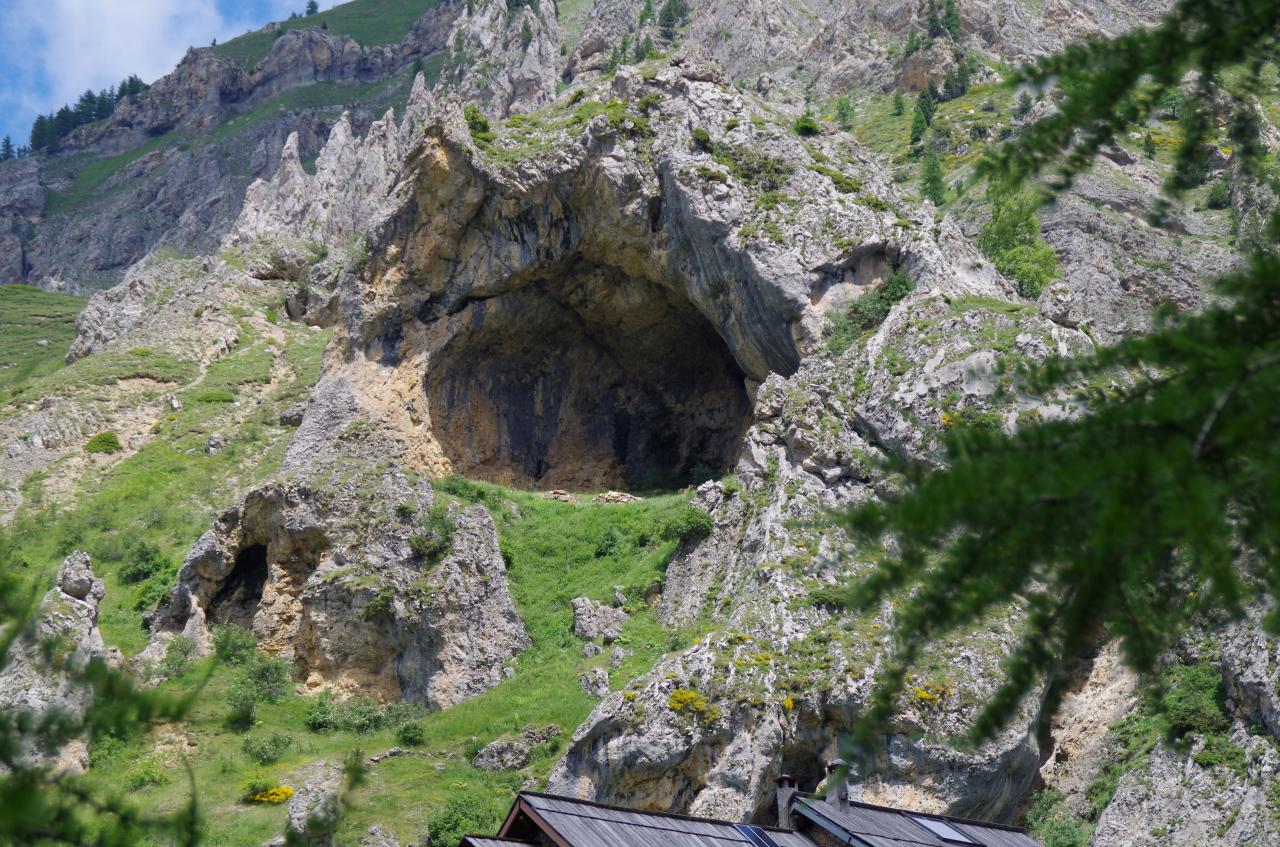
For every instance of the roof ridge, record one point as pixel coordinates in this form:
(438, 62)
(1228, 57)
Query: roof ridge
(676, 815)
(950, 818)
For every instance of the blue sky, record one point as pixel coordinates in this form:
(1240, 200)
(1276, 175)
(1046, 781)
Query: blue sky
(51, 50)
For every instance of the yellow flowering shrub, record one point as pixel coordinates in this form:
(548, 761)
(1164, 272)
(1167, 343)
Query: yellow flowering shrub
(273, 796)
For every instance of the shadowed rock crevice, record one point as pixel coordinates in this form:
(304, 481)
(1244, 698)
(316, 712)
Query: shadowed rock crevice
(587, 378)
(239, 596)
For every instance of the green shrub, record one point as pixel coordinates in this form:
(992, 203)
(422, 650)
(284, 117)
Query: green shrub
(868, 311)
(1013, 243)
(754, 167)
(379, 608)
(242, 701)
(256, 785)
(435, 542)
(143, 775)
(361, 715)
(411, 734)
(702, 139)
(406, 512)
(215, 395)
(688, 525)
(143, 561)
(463, 814)
(610, 542)
(266, 749)
(427, 547)
(807, 125)
(177, 656)
(269, 677)
(234, 644)
(1195, 700)
(321, 715)
(478, 124)
(1219, 194)
(829, 596)
(104, 442)
(1053, 823)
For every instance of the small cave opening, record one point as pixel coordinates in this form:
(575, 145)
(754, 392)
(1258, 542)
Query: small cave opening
(584, 379)
(237, 599)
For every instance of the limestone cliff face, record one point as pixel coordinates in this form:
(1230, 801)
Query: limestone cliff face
(613, 266)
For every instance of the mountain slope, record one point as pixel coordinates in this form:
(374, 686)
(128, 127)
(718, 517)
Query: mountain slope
(342, 390)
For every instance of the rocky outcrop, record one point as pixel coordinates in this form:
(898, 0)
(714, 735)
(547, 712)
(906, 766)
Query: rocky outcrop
(513, 754)
(505, 60)
(327, 569)
(1173, 800)
(43, 682)
(592, 620)
(788, 49)
(350, 193)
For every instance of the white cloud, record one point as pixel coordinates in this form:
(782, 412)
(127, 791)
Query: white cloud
(58, 48)
(55, 49)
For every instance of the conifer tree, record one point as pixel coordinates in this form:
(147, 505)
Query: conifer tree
(931, 179)
(644, 48)
(933, 21)
(899, 104)
(1157, 504)
(919, 124)
(6, 149)
(312, 7)
(913, 42)
(951, 19)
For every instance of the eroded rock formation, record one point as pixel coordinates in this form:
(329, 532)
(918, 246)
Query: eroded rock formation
(322, 568)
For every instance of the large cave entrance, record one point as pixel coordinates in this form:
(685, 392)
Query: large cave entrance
(587, 379)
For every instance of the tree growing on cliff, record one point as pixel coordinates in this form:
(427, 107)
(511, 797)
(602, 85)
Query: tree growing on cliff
(931, 180)
(1157, 504)
(951, 19)
(6, 149)
(312, 7)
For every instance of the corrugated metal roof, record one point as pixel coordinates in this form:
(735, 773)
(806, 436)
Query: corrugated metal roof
(485, 841)
(877, 826)
(584, 824)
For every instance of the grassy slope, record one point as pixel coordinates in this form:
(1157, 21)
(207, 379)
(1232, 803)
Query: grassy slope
(166, 493)
(27, 316)
(553, 549)
(369, 22)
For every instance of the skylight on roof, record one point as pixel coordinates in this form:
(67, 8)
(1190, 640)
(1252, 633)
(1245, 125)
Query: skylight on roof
(943, 830)
(757, 836)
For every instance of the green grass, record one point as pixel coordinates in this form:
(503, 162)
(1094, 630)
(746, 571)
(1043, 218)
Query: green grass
(369, 22)
(28, 316)
(554, 553)
(167, 493)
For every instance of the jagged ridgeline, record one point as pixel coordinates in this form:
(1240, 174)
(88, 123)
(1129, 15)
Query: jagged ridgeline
(465, 384)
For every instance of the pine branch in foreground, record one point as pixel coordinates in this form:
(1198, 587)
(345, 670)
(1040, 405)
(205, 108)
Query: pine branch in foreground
(1132, 518)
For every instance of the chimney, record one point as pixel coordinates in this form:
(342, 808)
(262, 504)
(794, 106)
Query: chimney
(837, 783)
(786, 790)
